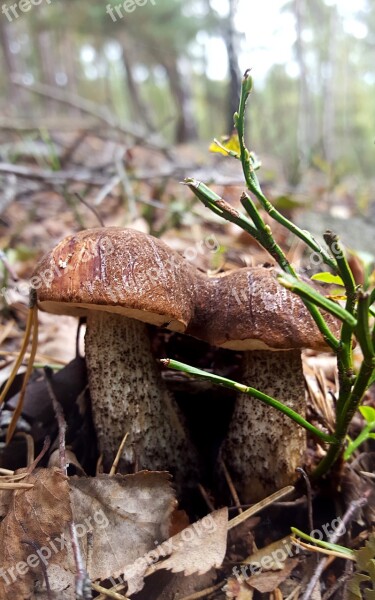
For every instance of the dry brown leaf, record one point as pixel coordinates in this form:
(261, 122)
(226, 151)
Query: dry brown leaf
(165, 585)
(268, 581)
(123, 514)
(237, 589)
(196, 549)
(5, 500)
(126, 514)
(71, 460)
(30, 534)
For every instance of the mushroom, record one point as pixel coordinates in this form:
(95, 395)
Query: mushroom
(248, 310)
(122, 279)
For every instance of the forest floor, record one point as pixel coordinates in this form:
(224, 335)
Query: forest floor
(128, 533)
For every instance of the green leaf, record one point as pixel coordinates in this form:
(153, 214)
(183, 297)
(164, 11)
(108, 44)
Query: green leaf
(327, 277)
(307, 292)
(368, 413)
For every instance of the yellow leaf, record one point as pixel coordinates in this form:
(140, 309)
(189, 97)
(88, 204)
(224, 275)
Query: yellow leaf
(227, 145)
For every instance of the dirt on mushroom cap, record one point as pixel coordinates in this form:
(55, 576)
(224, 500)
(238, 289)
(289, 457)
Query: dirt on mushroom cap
(248, 309)
(117, 270)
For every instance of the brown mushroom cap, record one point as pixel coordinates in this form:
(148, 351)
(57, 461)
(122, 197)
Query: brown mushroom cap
(248, 309)
(116, 270)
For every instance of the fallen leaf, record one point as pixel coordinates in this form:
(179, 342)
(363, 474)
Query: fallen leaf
(237, 589)
(196, 549)
(126, 515)
(30, 533)
(268, 581)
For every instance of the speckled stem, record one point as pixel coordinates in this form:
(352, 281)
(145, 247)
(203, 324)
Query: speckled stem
(263, 447)
(129, 395)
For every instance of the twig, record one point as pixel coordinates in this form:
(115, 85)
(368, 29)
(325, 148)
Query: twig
(348, 516)
(33, 320)
(83, 582)
(206, 498)
(340, 582)
(107, 593)
(60, 420)
(88, 107)
(46, 445)
(260, 506)
(37, 548)
(309, 498)
(82, 577)
(118, 454)
(92, 208)
(203, 593)
(29, 445)
(231, 486)
(54, 177)
(107, 189)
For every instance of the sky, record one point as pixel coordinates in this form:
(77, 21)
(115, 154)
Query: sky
(269, 35)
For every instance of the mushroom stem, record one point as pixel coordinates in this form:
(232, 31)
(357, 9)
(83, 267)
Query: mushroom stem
(263, 447)
(129, 396)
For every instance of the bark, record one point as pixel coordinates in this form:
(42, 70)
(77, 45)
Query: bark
(186, 128)
(328, 136)
(305, 117)
(15, 96)
(140, 108)
(230, 38)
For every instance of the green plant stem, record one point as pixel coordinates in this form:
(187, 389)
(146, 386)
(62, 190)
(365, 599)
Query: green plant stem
(265, 235)
(344, 417)
(345, 350)
(266, 238)
(306, 291)
(346, 552)
(223, 381)
(363, 436)
(372, 297)
(363, 328)
(253, 183)
(220, 207)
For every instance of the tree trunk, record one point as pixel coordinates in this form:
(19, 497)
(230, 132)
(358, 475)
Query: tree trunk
(230, 38)
(305, 117)
(328, 133)
(15, 95)
(186, 128)
(141, 110)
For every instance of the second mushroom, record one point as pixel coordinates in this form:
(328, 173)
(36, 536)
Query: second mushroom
(248, 310)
